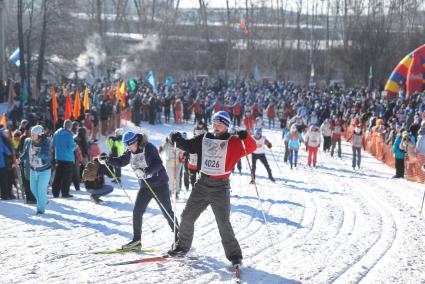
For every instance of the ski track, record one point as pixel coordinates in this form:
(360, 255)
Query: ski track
(328, 225)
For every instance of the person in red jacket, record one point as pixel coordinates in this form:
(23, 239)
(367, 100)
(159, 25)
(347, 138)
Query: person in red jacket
(218, 152)
(271, 114)
(237, 114)
(248, 121)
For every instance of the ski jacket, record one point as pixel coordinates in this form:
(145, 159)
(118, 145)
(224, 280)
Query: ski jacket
(261, 142)
(398, 154)
(358, 140)
(235, 149)
(420, 145)
(146, 163)
(326, 129)
(115, 145)
(4, 151)
(336, 131)
(312, 138)
(294, 140)
(41, 160)
(64, 145)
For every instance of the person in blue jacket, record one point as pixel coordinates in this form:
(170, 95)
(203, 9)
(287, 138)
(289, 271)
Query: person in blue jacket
(147, 165)
(37, 151)
(399, 149)
(4, 151)
(64, 146)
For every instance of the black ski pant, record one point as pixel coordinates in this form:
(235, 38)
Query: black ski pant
(399, 167)
(357, 156)
(336, 142)
(263, 159)
(76, 177)
(4, 183)
(214, 192)
(144, 196)
(237, 120)
(63, 178)
(326, 143)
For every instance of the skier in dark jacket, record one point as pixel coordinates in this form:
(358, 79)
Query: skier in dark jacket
(147, 165)
(218, 152)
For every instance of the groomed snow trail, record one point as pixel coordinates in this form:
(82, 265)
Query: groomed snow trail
(328, 225)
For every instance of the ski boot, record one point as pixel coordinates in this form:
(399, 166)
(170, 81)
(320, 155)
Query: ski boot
(177, 251)
(134, 244)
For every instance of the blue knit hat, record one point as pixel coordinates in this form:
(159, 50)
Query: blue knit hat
(129, 138)
(222, 117)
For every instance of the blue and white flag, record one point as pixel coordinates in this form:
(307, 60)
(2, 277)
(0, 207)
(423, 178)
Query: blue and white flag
(151, 79)
(14, 58)
(169, 81)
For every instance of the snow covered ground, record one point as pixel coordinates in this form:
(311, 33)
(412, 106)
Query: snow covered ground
(328, 225)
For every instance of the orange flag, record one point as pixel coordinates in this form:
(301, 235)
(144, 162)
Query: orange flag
(118, 96)
(122, 94)
(54, 108)
(112, 94)
(68, 106)
(77, 105)
(86, 102)
(3, 120)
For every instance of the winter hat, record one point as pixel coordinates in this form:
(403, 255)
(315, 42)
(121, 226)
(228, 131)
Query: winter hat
(38, 130)
(129, 138)
(222, 117)
(257, 132)
(119, 131)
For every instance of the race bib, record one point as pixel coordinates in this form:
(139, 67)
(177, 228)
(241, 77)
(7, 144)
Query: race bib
(214, 156)
(138, 164)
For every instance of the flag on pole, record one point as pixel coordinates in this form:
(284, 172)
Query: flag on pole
(54, 108)
(122, 94)
(243, 25)
(3, 120)
(132, 85)
(151, 79)
(77, 105)
(14, 58)
(68, 105)
(257, 73)
(86, 102)
(169, 81)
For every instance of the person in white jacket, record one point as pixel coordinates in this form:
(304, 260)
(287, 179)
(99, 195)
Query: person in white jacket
(312, 141)
(173, 165)
(420, 144)
(326, 130)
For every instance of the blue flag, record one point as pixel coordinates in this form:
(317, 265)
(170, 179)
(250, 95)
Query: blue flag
(151, 79)
(14, 58)
(169, 81)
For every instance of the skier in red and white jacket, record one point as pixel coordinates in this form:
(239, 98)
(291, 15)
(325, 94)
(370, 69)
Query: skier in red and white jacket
(218, 152)
(259, 154)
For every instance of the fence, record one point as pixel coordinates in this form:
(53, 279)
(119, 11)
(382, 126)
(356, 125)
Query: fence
(376, 146)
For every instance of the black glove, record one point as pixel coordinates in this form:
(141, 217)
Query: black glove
(174, 136)
(242, 134)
